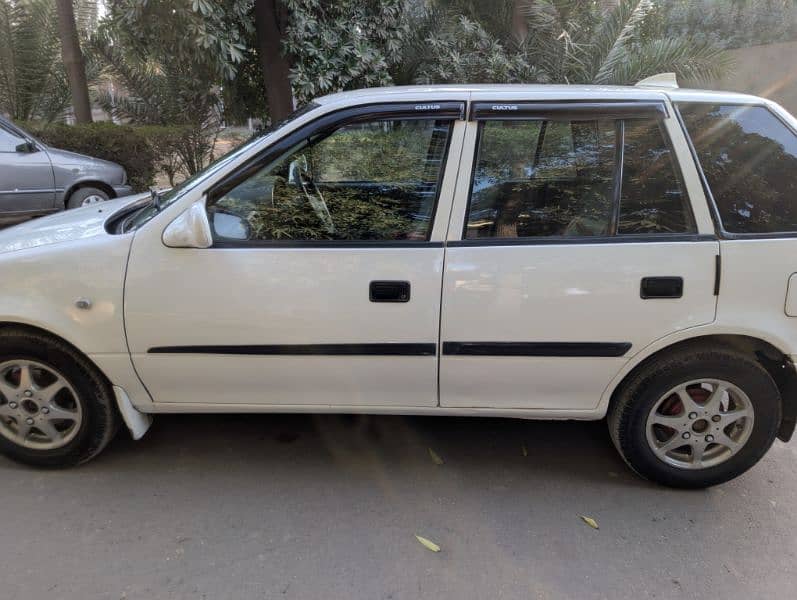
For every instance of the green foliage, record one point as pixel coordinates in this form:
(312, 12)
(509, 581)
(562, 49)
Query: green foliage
(176, 149)
(355, 217)
(159, 89)
(209, 34)
(565, 42)
(730, 24)
(463, 51)
(118, 143)
(372, 153)
(343, 44)
(32, 80)
(33, 83)
(245, 96)
(163, 84)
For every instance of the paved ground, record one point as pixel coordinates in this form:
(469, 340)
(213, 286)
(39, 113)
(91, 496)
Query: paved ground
(327, 507)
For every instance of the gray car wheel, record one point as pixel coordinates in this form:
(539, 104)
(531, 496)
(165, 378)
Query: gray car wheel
(85, 197)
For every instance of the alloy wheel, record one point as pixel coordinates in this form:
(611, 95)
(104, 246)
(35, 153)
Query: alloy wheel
(700, 424)
(39, 408)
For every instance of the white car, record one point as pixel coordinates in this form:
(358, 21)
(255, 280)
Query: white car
(540, 252)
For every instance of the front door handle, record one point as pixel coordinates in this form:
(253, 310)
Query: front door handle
(389, 291)
(661, 287)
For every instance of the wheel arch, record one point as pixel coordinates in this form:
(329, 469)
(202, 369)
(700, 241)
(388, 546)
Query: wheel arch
(776, 362)
(59, 338)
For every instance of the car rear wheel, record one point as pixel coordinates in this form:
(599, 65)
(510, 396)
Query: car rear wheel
(86, 196)
(55, 408)
(696, 418)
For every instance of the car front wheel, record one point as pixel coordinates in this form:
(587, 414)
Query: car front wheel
(85, 197)
(55, 408)
(696, 418)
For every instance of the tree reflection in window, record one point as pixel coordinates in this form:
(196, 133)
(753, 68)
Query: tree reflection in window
(374, 181)
(749, 158)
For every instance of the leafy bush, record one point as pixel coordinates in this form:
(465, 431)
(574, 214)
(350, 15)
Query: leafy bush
(118, 143)
(179, 149)
(162, 142)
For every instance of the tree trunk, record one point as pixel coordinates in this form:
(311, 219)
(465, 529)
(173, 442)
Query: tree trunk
(73, 61)
(520, 27)
(270, 21)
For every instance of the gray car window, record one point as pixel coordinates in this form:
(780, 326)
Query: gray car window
(9, 141)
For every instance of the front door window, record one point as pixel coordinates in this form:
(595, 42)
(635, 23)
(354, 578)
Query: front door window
(373, 181)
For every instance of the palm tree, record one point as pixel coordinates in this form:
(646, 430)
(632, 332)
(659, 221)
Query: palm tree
(154, 89)
(561, 41)
(610, 46)
(32, 82)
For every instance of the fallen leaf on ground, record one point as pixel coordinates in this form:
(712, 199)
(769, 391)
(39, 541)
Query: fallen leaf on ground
(435, 457)
(524, 450)
(590, 521)
(428, 544)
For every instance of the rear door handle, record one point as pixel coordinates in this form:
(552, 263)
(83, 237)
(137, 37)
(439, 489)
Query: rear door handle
(661, 287)
(389, 291)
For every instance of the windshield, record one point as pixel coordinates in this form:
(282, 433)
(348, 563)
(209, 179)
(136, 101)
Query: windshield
(145, 213)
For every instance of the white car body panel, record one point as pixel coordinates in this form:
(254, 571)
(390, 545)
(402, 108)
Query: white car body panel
(562, 293)
(56, 260)
(146, 295)
(281, 296)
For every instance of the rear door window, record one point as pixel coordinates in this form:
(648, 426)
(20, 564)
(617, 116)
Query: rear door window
(749, 159)
(562, 178)
(653, 197)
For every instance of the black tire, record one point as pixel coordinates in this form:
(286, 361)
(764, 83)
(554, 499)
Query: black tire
(636, 398)
(100, 419)
(77, 197)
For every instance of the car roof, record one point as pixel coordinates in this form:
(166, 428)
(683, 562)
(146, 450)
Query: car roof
(531, 91)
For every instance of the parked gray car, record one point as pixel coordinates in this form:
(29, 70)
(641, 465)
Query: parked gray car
(36, 179)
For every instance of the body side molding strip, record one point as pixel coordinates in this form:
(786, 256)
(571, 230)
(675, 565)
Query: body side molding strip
(582, 349)
(386, 349)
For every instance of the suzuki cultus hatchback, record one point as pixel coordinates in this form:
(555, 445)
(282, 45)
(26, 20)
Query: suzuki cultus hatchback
(540, 252)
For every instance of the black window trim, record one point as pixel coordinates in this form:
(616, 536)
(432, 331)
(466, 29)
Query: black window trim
(719, 228)
(597, 110)
(567, 110)
(443, 110)
(563, 240)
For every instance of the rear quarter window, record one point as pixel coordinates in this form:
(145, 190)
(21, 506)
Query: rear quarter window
(749, 158)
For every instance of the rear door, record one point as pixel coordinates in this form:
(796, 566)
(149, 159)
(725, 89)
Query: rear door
(26, 178)
(573, 246)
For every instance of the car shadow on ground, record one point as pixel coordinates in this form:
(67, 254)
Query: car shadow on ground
(359, 444)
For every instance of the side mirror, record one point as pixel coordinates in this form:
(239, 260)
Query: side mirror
(26, 148)
(229, 225)
(190, 230)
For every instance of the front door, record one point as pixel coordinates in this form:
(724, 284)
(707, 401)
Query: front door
(576, 247)
(26, 175)
(323, 284)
